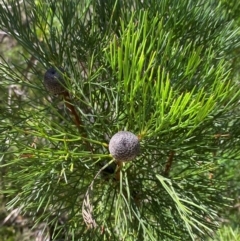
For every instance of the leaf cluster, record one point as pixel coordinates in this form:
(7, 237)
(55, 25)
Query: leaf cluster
(161, 71)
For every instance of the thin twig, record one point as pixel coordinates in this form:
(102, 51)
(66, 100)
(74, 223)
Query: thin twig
(71, 108)
(169, 164)
(76, 118)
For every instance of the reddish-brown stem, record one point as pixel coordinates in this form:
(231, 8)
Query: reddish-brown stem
(71, 108)
(76, 118)
(169, 164)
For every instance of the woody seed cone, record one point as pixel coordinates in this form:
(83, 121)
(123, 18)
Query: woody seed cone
(53, 81)
(124, 146)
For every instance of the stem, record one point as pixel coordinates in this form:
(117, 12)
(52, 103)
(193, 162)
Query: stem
(76, 118)
(119, 168)
(71, 108)
(169, 164)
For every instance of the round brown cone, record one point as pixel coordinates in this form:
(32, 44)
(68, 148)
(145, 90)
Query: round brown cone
(54, 82)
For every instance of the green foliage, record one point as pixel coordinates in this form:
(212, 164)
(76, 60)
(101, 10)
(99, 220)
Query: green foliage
(227, 233)
(160, 70)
